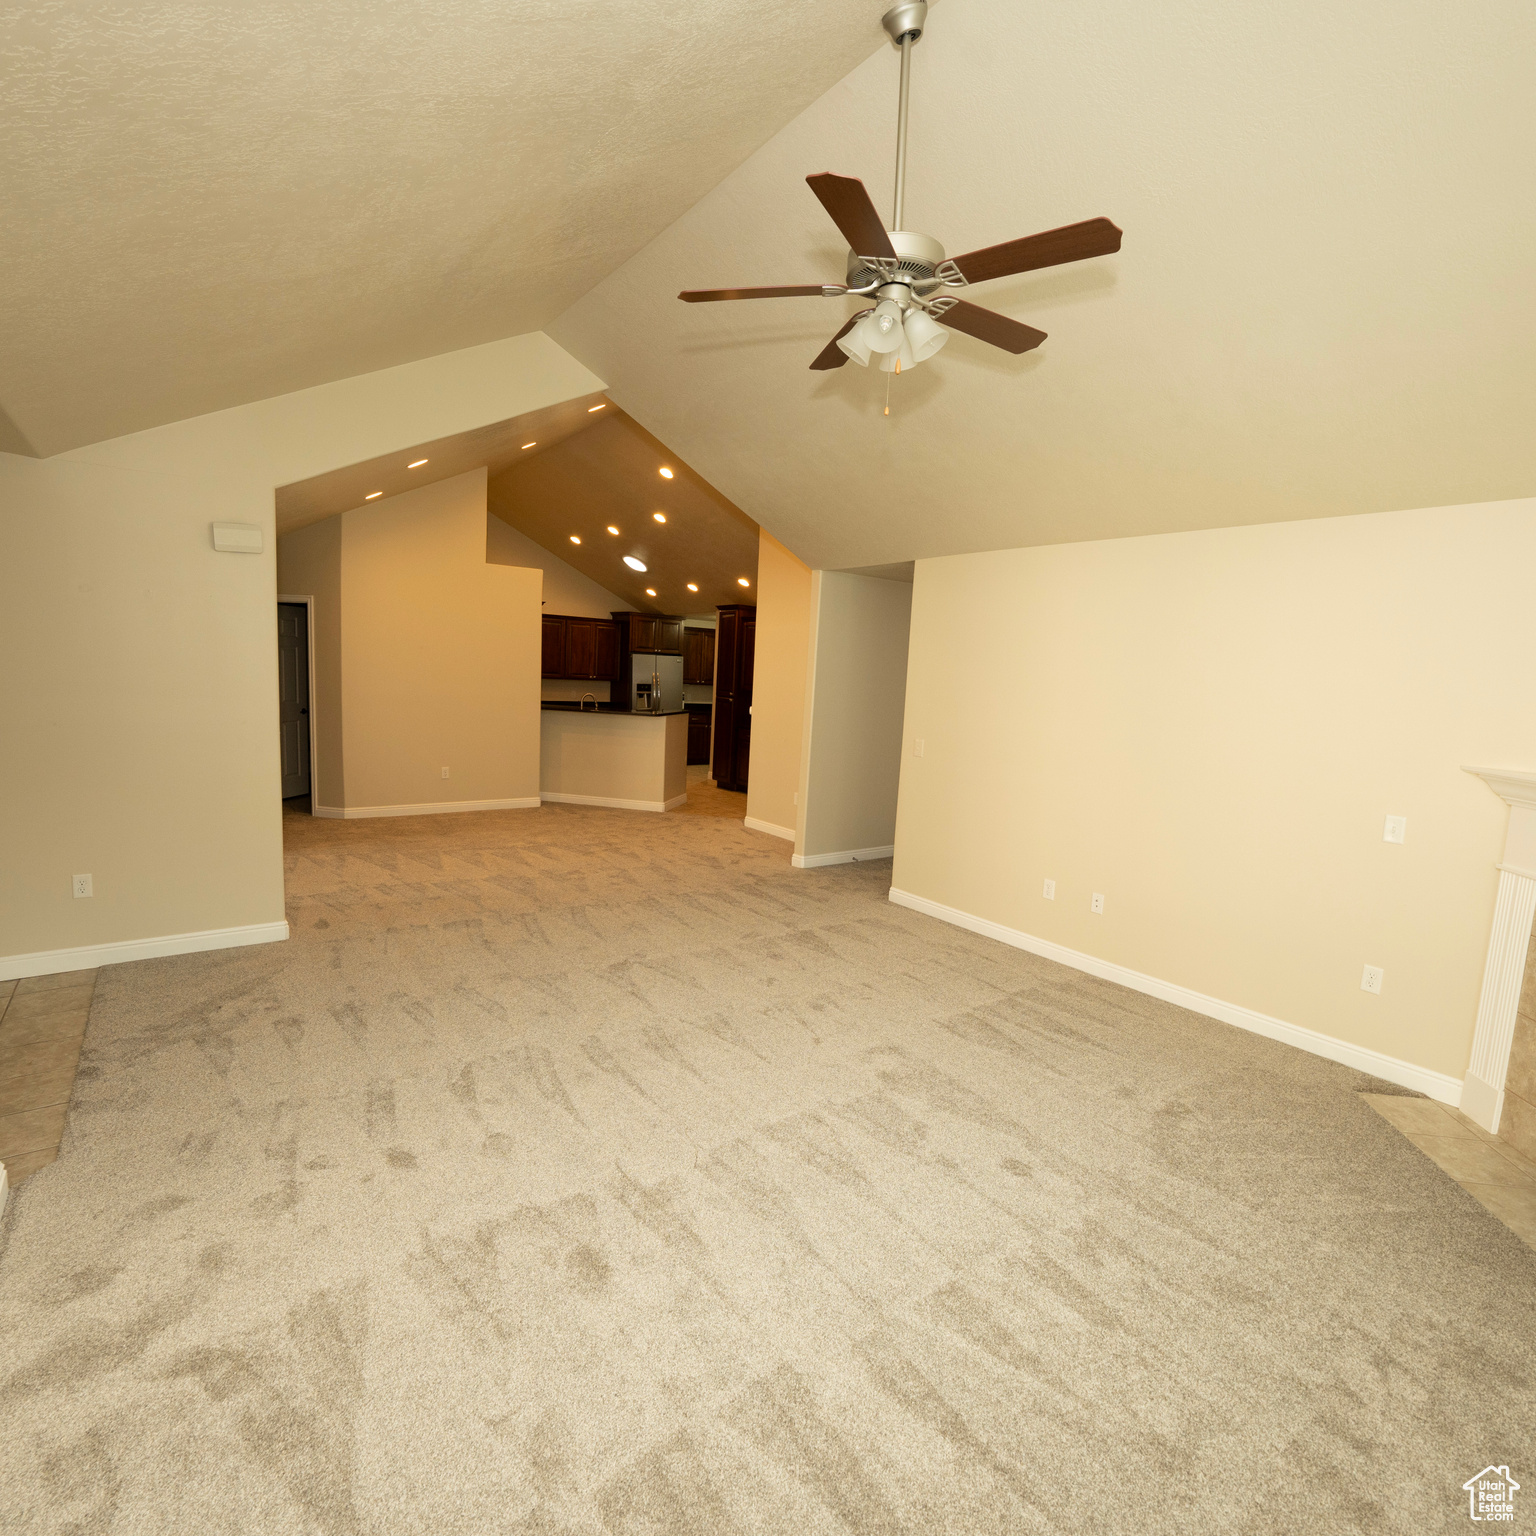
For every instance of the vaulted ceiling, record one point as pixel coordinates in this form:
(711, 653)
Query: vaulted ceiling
(210, 204)
(1324, 303)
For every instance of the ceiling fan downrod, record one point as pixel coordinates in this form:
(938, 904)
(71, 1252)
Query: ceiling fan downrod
(905, 25)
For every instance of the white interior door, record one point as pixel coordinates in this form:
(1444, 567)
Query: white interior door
(293, 696)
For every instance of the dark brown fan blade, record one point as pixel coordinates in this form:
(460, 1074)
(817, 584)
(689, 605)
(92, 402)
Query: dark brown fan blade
(988, 325)
(832, 355)
(846, 200)
(1073, 242)
(708, 295)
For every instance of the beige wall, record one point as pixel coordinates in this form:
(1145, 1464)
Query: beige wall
(778, 684)
(1210, 729)
(440, 655)
(309, 565)
(144, 664)
(857, 678)
(636, 762)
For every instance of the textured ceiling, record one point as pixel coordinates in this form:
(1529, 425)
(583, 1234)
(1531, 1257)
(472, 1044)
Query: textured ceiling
(206, 204)
(1324, 304)
(609, 474)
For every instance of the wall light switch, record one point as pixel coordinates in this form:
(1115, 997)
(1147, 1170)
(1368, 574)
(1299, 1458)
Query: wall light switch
(917, 746)
(1371, 980)
(1049, 891)
(445, 773)
(1397, 829)
(81, 886)
(1098, 902)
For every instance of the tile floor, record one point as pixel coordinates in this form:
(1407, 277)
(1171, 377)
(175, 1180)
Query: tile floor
(42, 1022)
(706, 798)
(1498, 1177)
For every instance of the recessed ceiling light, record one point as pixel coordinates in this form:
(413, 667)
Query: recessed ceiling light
(666, 474)
(693, 586)
(575, 539)
(530, 445)
(417, 464)
(612, 529)
(741, 581)
(650, 591)
(602, 407)
(633, 564)
(372, 494)
(660, 517)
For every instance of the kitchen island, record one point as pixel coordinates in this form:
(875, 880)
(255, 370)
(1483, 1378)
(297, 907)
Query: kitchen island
(630, 760)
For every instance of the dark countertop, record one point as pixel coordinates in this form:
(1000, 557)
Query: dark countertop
(609, 709)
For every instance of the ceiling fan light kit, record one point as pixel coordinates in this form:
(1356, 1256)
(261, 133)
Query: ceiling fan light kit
(906, 273)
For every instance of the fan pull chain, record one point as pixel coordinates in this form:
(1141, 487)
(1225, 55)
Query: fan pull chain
(888, 390)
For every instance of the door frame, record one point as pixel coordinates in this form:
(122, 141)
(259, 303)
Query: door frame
(309, 646)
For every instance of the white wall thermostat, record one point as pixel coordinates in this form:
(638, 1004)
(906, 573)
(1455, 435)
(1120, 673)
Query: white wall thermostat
(237, 538)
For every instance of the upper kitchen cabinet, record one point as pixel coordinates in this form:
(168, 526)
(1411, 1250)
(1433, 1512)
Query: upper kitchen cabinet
(653, 636)
(699, 656)
(553, 646)
(586, 650)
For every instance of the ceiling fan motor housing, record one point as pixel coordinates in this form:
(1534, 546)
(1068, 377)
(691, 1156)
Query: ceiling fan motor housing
(916, 258)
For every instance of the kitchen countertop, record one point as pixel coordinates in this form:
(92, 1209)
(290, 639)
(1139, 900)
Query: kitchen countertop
(569, 708)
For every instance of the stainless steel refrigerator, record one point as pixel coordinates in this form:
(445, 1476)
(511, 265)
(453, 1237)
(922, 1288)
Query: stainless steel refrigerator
(656, 683)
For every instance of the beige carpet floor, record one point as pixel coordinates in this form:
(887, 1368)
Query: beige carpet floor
(579, 1171)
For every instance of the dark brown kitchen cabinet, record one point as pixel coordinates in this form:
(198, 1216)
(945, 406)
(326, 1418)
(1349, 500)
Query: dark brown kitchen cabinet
(735, 648)
(699, 656)
(586, 650)
(650, 635)
(698, 733)
(607, 652)
(553, 647)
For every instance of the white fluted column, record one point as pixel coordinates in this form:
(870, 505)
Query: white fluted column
(1482, 1092)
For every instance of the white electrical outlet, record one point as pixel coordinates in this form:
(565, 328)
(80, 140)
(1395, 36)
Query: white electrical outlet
(917, 746)
(1049, 890)
(1371, 980)
(1397, 829)
(81, 886)
(445, 773)
(1097, 903)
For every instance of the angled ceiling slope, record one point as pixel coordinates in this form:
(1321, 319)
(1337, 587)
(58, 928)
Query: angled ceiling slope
(408, 468)
(211, 205)
(609, 476)
(1323, 304)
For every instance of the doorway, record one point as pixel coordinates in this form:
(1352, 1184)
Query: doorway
(293, 718)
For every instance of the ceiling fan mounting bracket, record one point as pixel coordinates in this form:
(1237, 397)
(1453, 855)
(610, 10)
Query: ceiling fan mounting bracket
(905, 20)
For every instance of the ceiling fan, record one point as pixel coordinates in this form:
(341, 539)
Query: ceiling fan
(906, 273)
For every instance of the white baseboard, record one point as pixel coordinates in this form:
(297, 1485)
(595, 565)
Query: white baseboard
(617, 805)
(1482, 1102)
(752, 824)
(847, 856)
(5, 1189)
(1404, 1073)
(50, 962)
(432, 808)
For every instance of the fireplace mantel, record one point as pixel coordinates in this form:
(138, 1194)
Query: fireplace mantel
(1482, 1092)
